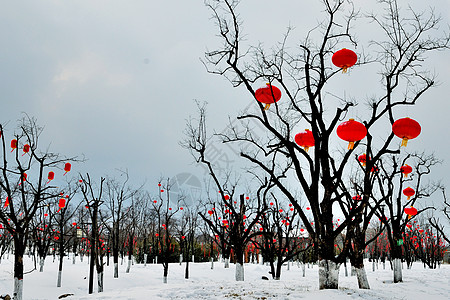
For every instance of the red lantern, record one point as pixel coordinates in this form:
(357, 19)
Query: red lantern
(67, 168)
(357, 198)
(408, 192)
(74, 223)
(51, 176)
(406, 169)
(406, 129)
(268, 95)
(305, 139)
(351, 131)
(13, 144)
(362, 159)
(344, 59)
(6, 202)
(226, 197)
(410, 211)
(26, 149)
(62, 203)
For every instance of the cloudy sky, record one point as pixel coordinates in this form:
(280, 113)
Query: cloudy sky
(116, 80)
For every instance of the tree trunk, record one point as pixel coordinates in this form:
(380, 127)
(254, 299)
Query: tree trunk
(397, 270)
(303, 269)
(227, 263)
(166, 271)
(239, 271)
(186, 270)
(19, 249)
(212, 263)
(328, 274)
(41, 264)
(100, 281)
(128, 266)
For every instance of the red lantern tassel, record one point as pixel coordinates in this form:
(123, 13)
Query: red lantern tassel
(404, 143)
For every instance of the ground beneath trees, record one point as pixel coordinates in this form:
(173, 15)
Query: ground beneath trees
(146, 283)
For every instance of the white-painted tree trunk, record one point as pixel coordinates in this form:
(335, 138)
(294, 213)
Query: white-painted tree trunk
(164, 279)
(58, 283)
(363, 283)
(328, 274)
(41, 264)
(73, 259)
(346, 271)
(116, 270)
(156, 259)
(193, 258)
(239, 272)
(288, 265)
(384, 265)
(212, 263)
(121, 261)
(145, 260)
(261, 259)
(227, 263)
(353, 271)
(181, 258)
(100, 281)
(397, 270)
(128, 266)
(303, 270)
(373, 266)
(81, 257)
(18, 289)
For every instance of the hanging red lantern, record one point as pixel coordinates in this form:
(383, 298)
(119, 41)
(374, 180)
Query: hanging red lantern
(406, 129)
(67, 168)
(62, 203)
(268, 95)
(13, 144)
(305, 139)
(408, 192)
(406, 169)
(410, 211)
(357, 198)
(226, 197)
(6, 202)
(351, 131)
(51, 176)
(344, 59)
(362, 159)
(26, 149)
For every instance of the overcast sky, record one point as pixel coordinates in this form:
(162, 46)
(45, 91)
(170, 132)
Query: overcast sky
(115, 80)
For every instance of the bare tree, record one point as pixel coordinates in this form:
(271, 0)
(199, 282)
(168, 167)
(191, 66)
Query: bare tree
(303, 78)
(23, 183)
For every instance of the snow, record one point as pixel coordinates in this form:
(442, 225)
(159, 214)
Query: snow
(145, 282)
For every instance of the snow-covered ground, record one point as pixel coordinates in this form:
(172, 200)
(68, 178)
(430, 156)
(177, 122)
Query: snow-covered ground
(204, 283)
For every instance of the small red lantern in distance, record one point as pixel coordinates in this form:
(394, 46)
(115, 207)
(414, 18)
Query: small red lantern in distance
(13, 144)
(26, 149)
(67, 168)
(406, 129)
(362, 159)
(344, 59)
(410, 211)
(62, 203)
(305, 139)
(268, 95)
(406, 169)
(408, 192)
(357, 198)
(351, 131)
(226, 197)
(51, 176)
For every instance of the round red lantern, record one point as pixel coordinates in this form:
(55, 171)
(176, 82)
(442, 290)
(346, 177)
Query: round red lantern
(62, 203)
(351, 131)
(408, 192)
(67, 168)
(268, 95)
(305, 139)
(357, 198)
(26, 149)
(13, 144)
(51, 176)
(406, 129)
(406, 169)
(362, 159)
(344, 59)
(410, 211)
